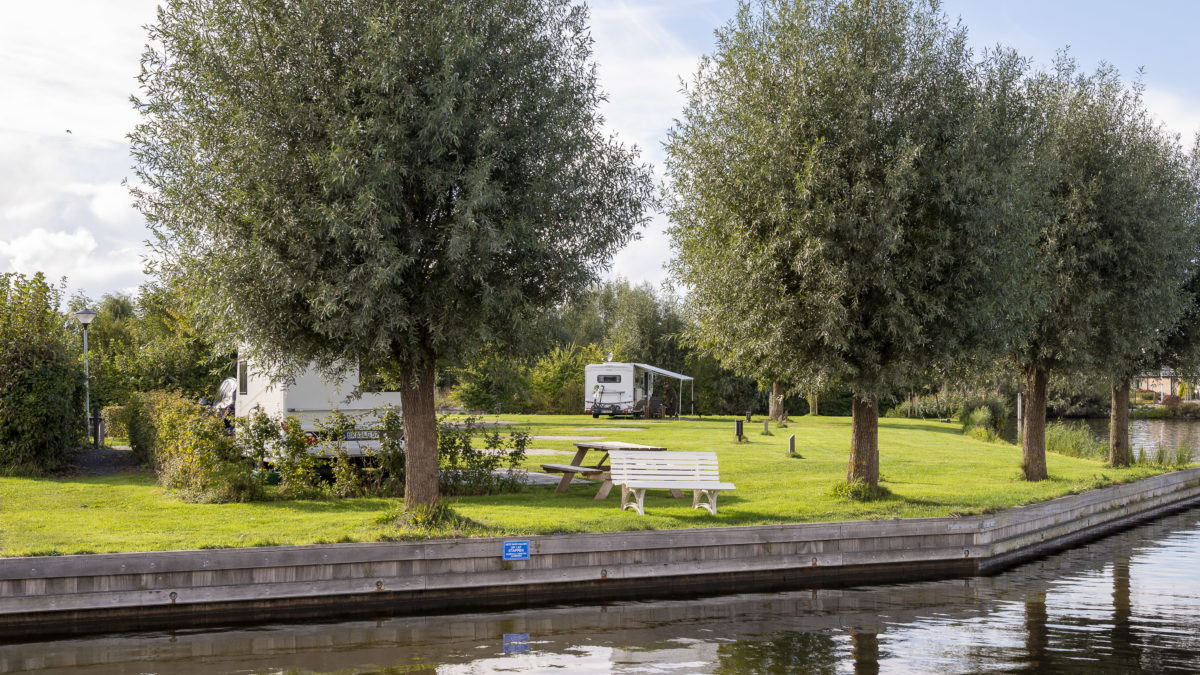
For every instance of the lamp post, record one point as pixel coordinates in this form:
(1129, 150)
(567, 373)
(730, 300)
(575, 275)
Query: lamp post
(86, 316)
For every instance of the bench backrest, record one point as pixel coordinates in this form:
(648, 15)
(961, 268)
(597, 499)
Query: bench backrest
(681, 467)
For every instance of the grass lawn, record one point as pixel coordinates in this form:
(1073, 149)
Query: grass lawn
(929, 467)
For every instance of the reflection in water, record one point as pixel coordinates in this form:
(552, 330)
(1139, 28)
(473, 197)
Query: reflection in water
(1128, 603)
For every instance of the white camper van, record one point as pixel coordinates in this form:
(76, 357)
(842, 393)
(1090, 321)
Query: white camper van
(635, 389)
(311, 397)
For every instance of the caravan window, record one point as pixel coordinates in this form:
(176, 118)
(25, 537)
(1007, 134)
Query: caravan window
(608, 379)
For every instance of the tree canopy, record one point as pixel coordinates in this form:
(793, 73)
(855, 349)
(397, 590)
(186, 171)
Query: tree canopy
(846, 208)
(394, 180)
(1118, 244)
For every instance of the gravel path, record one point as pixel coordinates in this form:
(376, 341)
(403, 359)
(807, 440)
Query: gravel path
(102, 462)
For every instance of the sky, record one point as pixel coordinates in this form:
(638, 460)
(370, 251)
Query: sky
(72, 65)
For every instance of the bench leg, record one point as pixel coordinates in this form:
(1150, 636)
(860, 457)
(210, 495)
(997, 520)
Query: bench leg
(710, 505)
(564, 483)
(639, 495)
(604, 490)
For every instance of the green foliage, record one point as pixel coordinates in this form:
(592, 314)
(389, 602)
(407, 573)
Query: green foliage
(930, 472)
(115, 418)
(256, 436)
(1180, 456)
(390, 457)
(1121, 240)
(41, 378)
(826, 241)
(469, 470)
(859, 491)
(494, 383)
(148, 343)
(139, 424)
(1171, 403)
(299, 470)
(1073, 441)
(987, 412)
(418, 182)
(557, 378)
(195, 456)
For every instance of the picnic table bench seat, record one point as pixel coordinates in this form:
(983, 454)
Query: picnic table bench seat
(637, 471)
(570, 470)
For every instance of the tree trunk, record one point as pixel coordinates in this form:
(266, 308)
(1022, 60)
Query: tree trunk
(1033, 442)
(420, 436)
(775, 411)
(813, 401)
(864, 441)
(1118, 424)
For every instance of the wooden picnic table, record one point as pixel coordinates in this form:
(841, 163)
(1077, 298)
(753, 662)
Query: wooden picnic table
(599, 470)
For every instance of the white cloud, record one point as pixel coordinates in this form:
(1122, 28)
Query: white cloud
(641, 62)
(1180, 114)
(54, 253)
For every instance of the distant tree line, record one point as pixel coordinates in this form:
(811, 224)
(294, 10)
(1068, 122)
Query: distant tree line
(632, 323)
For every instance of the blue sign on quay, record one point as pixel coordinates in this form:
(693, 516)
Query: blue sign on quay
(516, 550)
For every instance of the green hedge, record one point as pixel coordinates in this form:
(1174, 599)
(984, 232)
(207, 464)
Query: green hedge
(41, 378)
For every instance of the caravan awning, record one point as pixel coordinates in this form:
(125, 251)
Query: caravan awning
(661, 371)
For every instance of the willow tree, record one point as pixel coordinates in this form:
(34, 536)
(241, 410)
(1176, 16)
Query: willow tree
(849, 203)
(1120, 244)
(391, 180)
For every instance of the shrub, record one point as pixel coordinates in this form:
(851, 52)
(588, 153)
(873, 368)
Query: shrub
(299, 474)
(386, 475)
(113, 417)
(139, 424)
(1141, 396)
(1171, 403)
(1073, 441)
(556, 379)
(495, 383)
(195, 456)
(256, 436)
(467, 470)
(41, 378)
(972, 413)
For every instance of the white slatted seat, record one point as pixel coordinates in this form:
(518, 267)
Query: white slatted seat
(637, 471)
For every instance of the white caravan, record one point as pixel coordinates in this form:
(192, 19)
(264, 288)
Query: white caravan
(311, 397)
(630, 389)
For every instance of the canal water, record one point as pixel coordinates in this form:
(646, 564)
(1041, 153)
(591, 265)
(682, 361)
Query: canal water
(1125, 604)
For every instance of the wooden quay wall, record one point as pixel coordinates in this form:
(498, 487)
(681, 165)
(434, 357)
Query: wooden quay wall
(43, 597)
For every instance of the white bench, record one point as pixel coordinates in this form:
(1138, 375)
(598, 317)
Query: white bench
(637, 471)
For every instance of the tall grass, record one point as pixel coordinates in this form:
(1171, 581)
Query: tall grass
(1073, 441)
(981, 423)
(1179, 457)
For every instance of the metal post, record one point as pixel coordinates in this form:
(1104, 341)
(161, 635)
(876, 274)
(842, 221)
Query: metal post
(96, 428)
(738, 430)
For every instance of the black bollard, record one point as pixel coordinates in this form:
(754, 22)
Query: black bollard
(96, 427)
(738, 427)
